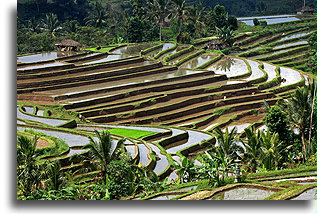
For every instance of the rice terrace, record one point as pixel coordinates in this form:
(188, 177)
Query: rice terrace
(166, 100)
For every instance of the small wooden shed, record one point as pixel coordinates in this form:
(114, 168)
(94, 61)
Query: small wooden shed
(68, 45)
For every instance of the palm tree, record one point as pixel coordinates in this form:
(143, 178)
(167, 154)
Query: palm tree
(51, 24)
(197, 15)
(252, 146)
(271, 148)
(226, 35)
(55, 176)
(227, 142)
(158, 10)
(300, 109)
(29, 173)
(103, 152)
(97, 17)
(180, 12)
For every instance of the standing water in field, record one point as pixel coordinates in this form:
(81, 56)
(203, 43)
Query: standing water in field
(133, 50)
(198, 61)
(229, 66)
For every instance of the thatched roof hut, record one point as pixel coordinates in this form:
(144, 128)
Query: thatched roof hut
(68, 45)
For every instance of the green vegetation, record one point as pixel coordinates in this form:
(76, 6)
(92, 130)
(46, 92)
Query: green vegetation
(130, 133)
(154, 164)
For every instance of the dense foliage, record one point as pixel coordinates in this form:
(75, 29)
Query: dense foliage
(42, 24)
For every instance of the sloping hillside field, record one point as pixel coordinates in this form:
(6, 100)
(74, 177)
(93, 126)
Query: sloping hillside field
(164, 98)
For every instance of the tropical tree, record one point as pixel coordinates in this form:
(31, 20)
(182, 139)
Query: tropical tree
(186, 170)
(56, 178)
(252, 146)
(300, 109)
(103, 152)
(215, 165)
(197, 14)
(29, 173)
(227, 142)
(97, 17)
(51, 24)
(271, 148)
(179, 11)
(226, 35)
(158, 11)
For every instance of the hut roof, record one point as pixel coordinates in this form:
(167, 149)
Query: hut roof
(69, 43)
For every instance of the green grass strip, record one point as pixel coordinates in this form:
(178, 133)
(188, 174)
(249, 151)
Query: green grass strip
(130, 133)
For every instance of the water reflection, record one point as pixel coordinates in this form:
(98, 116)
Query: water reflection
(198, 61)
(133, 50)
(242, 194)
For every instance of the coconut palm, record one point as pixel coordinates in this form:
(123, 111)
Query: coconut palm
(102, 150)
(98, 16)
(227, 142)
(29, 173)
(252, 146)
(179, 11)
(271, 148)
(51, 24)
(158, 10)
(300, 109)
(197, 14)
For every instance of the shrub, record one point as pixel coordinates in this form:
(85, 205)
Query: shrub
(256, 22)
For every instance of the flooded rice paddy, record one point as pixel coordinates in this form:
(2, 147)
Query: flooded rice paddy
(307, 195)
(198, 61)
(42, 56)
(229, 66)
(242, 194)
(133, 49)
(269, 19)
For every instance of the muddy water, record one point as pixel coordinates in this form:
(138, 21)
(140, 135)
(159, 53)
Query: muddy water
(263, 17)
(256, 72)
(54, 64)
(161, 163)
(71, 139)
(307, 195)
(49, 121)
(179, 48)
(37, 57)
(43, 56)
(293, 36)
(165, 47)
(131, 150)
(164, 197)
(229, 66)
(270, 20)
(270, 70)
(143, 152)
(108, 58)
(290, 44)
(242, 194)
(240, 127)
(133, 50)
(142, 128)
(194, 137)
(198, 61)
(291, 76)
